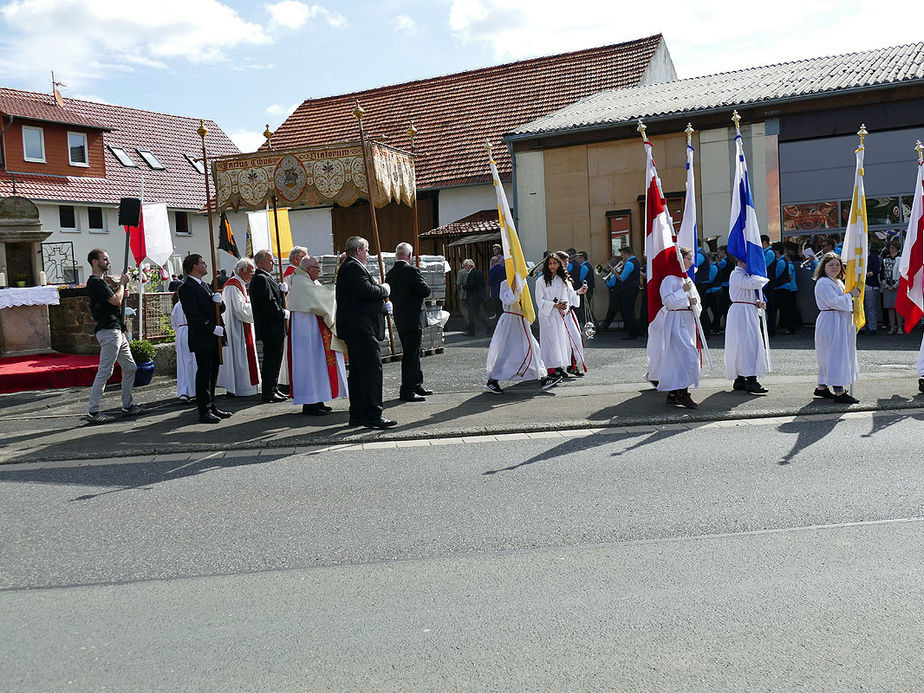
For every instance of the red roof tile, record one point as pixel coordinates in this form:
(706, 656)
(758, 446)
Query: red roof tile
(168, 137)
(24, 104)
(455, 114)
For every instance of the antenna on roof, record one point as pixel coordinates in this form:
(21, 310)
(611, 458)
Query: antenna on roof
(54, 90)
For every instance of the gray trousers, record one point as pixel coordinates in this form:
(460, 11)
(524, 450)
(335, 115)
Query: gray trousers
(113, 346)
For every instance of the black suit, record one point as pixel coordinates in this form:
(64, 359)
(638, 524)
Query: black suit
(269, 324)
(196, 299)
(408, 291)
(474, 297)
(361, 324)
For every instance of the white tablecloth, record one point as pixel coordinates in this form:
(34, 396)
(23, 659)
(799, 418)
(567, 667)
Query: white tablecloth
(29, 296)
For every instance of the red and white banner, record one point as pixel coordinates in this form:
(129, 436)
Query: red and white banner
(660, 248)
(909, 301)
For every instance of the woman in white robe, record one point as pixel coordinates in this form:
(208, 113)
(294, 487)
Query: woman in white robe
(185, 359)
(239, 372)
(679, 360)
(578, 365)
(835, 334)
(514, 354)
(316, 368)
(745, 355)
(553, 291)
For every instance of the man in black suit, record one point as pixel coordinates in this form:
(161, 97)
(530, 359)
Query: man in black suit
(269, 322)
(474, 296)
(205, 333)
(361, 308)
(408, 291)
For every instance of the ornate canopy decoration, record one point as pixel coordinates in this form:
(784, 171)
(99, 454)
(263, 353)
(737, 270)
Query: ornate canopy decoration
(315, 176)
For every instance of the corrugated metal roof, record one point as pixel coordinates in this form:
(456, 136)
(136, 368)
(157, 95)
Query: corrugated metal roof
(771, 83)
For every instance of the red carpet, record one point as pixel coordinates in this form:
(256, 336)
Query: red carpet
(50, 371)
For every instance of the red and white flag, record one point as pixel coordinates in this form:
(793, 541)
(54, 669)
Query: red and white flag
(660, 243)
(909, 301)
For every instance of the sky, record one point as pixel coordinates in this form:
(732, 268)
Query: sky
(248, 64)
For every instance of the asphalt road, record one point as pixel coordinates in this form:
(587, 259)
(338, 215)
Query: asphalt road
(774, 554)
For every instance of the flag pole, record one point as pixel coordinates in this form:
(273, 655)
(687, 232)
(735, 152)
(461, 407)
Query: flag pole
(861, 133)
(412, 133)
(358, 113)
(268, 134)
(208, 204)
(760, 311)
(699, 325)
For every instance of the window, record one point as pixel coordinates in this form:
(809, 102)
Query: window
(67, 218)
(96, 219)
(619, 224)
(122, 156)
(182, 223)
(196, 164)
(77, 149)
(33, 144)
(151, 159)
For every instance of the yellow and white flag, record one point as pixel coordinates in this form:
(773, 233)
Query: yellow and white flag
(514, 262)
(856, 244)
(261, 233)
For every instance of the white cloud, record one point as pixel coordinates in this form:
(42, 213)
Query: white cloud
(247, 140)
(277, 109)
(292, 14)
(85, 39)
(404, 24)
(704, 37)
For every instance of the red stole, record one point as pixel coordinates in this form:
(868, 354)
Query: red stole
(248, 335)
(330, 357)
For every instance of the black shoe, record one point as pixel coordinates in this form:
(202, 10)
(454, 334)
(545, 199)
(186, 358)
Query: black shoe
(549, 381)
(413, 397)
(561, 373)
(381, 423)
(422, 391)
(324, 407)
(494, 386)
(275, 397)
(312, 410)
(353, 423)
(920, 384)
(739, 384)
(221, 414)
(823, 392)
(755, 388)
(845, 398)
(209, 418)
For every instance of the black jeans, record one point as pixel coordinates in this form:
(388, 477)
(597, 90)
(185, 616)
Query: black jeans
(411, 375)
(627, 308)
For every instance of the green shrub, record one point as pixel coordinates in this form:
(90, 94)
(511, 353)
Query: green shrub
(142, 350)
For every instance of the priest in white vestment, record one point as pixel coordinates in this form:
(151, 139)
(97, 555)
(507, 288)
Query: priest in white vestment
(239, 372)
(316, 370)
(185, 359)
(745, 355)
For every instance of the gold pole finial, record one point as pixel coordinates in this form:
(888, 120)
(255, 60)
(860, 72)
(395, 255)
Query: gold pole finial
(487, 143)
(737, 120)
(862, 132)
(359, 112)
(689, 132)
(201, 129)
(412, 131)
(919, 148)
(641, 128)
(268, 134)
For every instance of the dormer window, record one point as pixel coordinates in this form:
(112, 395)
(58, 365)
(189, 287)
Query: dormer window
(122, 156)
(196, 164)
(151, 159)
(33, 144)
(77, 149)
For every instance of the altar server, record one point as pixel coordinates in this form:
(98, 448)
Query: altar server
(239, 372)
(745, 357)
(514, 354)
(553, 292)
(185, 359)
(835, 334)
(577, 366)
(678, 357)
(316, 371)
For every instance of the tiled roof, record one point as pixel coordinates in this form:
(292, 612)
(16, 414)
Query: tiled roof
(759, 85)
(485, 221)
(455, 114)
(24, 104)
(168, 137)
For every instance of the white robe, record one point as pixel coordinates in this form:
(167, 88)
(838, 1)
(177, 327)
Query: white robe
(655, 345)
(678, 357)
(185, 359)
(921, 359)
(575, 330)
(514, 353)
(744, 345)
(234, 374)
(835, 335)
(554, 341)
(308, 365)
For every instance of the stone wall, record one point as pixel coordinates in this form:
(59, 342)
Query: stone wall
(72, 325)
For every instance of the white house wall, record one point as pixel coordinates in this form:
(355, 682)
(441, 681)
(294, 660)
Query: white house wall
(456, 203)
(313, 229)
(531, 222)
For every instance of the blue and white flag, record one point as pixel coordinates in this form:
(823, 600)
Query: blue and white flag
(743, 232)
(687, 236)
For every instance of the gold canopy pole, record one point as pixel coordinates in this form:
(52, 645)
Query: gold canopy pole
(358, 113)
(268, 134)
(205, 164)
(412, 132)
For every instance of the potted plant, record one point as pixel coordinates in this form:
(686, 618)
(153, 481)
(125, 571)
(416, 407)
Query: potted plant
(143, 353)
(20, 279)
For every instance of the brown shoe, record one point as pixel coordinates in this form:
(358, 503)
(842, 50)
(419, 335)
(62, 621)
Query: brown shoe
(683, 399)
